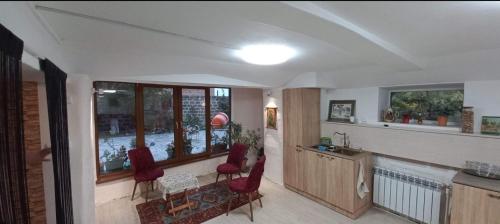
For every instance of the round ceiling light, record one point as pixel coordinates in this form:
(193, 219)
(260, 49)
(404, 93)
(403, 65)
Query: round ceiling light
(266, 54)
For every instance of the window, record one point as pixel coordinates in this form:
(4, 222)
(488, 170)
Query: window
(220, 106)
(115, 124)
(173, 121)
(194, 121)
(159, 129)
(429, 103)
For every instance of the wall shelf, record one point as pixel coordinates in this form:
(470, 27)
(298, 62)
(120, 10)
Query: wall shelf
(416, 128)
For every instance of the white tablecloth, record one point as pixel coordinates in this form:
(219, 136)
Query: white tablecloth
(175, 183)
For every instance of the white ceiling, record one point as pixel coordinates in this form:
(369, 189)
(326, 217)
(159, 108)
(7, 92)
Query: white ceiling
(345, 42)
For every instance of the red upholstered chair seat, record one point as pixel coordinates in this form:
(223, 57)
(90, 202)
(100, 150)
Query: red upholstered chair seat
(227, 168)
(148, 175)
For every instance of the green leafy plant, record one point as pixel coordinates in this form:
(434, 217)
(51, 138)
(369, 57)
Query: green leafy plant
(250, 138)
(170, 149)
(236, 132)
(133, 143)
(121, 154)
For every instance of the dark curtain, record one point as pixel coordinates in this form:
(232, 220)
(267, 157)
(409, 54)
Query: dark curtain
(13, 185)
(55, 83)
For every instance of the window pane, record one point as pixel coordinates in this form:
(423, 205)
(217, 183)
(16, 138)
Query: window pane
(159, 122)
(220, 111)
(430, 103)
(193, 121)
(115, 124)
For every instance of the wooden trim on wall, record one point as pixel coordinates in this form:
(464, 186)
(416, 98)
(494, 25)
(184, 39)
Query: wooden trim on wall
(139, 116)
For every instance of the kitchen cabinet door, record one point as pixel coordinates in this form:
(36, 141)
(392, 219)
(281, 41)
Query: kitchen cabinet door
(474, 205)
(315, 175)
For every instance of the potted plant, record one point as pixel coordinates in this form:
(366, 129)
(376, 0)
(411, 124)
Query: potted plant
(116, 160)
(442, 118)
(220, 142)
(170, 150)
(251, 138)
(188, 147)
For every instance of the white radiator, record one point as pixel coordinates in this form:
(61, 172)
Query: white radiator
(416, 198)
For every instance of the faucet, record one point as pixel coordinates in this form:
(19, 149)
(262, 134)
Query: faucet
(346, 144)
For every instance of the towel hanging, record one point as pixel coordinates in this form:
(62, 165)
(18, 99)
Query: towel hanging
(361, 186)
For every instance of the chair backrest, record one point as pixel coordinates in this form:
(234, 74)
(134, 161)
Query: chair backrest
(253, 181)
(141, 159)
(237, 154)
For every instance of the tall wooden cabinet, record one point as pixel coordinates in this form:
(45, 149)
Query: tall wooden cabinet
(301, 127)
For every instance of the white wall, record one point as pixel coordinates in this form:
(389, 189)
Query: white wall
(428, 146)
(246, 109)
(81, 153)
(47, 168)
(484, 96)
(273, 139)
(367, 102)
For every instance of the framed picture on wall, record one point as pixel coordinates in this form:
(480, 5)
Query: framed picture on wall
(490, 125)
(341, 110)
(271, 118)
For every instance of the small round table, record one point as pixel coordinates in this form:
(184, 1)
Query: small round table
(176, 183)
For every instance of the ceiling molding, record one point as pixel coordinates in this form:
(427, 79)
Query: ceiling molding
(320, 12)
(44, 23)
(130, 25)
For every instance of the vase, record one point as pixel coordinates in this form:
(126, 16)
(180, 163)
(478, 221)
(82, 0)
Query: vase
(251, 158)
(442, 120)
(112, 165)
(468, 120)
(406, 119)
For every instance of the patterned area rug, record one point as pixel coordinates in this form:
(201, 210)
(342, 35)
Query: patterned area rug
(210, 202)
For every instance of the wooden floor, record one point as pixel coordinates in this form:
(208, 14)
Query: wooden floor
(280, 206)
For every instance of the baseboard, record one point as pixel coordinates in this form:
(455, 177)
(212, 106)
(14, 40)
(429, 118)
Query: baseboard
(351, 215)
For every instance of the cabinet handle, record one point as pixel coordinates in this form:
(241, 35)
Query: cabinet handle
(494, 196)
(331, 158)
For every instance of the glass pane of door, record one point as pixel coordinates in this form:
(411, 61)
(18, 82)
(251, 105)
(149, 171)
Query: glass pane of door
(115, 106)
(193, 121)
(159, 122)
(220, 112)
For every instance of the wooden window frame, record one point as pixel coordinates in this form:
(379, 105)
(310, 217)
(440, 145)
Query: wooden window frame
(180, 158)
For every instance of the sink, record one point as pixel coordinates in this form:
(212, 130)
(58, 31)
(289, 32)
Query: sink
(328, 146)
(344, 151)
(339, 150)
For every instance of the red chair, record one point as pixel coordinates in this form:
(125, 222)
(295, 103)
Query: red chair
(233, 163)
(144, 168)
(248, 185)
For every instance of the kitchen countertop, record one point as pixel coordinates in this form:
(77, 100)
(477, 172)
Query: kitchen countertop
(354, 157)
(478, 182)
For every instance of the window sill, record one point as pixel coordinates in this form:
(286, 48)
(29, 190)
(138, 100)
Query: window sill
(125, 174)
(451, 129)
(420, 128)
